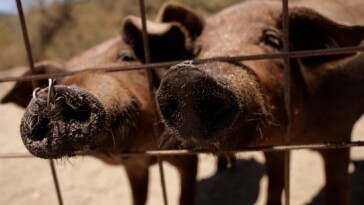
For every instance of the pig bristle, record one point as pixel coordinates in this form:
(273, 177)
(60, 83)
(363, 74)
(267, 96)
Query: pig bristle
(171, 140)
(59, 132)
(123, 123)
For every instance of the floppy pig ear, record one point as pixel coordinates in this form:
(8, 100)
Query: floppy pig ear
(21, 93)
(167, 41)
(172, 12)
(311, 31)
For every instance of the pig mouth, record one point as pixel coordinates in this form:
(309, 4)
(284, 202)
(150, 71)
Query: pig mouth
(69, 123)
(172, 140)
(206, 112)
(198, 109)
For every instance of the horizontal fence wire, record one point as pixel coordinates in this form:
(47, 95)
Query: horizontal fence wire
(285, 55)
(329, 145)
(116, 67)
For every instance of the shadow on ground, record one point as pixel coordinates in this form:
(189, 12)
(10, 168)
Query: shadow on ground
(232, 186)
(241, 185)
(357, 187)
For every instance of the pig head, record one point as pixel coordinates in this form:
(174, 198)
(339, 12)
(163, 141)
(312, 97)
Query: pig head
(221, 105)
(238, 103)
(106, 114)
(97, 111)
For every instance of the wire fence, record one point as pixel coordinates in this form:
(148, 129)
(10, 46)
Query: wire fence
(285, 54)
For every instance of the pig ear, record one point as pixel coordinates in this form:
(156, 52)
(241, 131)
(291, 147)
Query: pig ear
(172, 12)
(21, 93)
(167, 41)
(310, 31)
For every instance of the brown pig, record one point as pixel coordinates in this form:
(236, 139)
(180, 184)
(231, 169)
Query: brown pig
(229, 105)
(107, 114)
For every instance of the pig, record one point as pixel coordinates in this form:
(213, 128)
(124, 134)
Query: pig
(108, 114)
(224, 105)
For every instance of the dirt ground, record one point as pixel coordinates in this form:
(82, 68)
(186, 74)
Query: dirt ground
(89, 181)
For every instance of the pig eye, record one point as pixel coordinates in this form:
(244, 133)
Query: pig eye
(271, 38)
(126, 57)
(197, 49)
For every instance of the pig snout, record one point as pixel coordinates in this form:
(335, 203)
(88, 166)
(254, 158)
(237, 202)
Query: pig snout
(65, 125)
(195, 105)
(211, 106)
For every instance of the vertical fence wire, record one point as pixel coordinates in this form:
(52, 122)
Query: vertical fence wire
(152, 96)
(287, 100)
(55, 181)
(26, 40)
(287, 93)
(35, 84)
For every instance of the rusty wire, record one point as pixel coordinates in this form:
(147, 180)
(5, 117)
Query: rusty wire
(117, 67)
(285, 55)
(287, 101)
(184, 152)
(35, 84)
(152, 99)
(23, 25)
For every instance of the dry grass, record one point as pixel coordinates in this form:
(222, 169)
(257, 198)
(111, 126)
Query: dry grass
(92, 22)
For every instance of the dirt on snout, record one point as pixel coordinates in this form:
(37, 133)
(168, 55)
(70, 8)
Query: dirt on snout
(64, 126)
(86, 180)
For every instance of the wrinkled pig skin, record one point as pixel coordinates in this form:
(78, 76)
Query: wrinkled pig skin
(107, 114)
(229, 105)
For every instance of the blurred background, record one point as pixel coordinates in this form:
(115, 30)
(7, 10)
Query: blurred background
(59, 29)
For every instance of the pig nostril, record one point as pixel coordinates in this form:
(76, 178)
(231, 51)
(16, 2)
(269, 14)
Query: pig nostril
(80, 113)
(169, 108)
(212, 108)
(41, 130)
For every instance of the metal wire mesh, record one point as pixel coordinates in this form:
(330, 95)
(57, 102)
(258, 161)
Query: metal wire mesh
(285, 54)
(34, 84)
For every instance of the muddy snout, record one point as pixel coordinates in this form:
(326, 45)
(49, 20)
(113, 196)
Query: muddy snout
(68, 123)
(195, 105)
